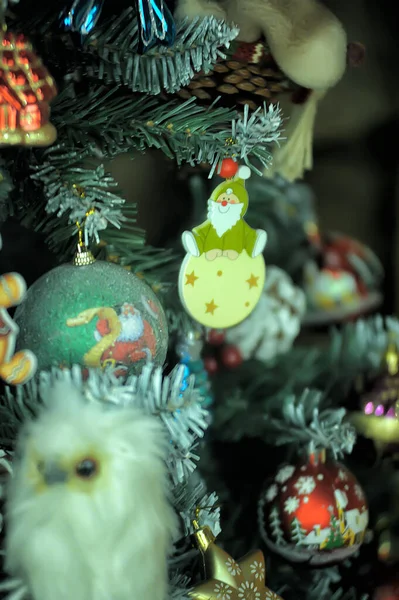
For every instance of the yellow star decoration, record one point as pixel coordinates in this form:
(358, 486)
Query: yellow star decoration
(228, 579)
(191, 278)
(253, 281)
(211, 307)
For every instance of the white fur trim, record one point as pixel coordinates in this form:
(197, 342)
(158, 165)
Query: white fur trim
(244, 172)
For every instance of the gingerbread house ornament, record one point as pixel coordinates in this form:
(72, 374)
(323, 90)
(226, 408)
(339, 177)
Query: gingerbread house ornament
(26, 89)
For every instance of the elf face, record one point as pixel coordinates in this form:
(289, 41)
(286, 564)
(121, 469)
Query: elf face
(224, 212)
(226, 199)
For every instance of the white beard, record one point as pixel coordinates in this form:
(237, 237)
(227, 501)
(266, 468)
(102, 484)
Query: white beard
(223, 218)
(132, 328)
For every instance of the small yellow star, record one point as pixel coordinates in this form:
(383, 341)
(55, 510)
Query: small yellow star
(211, 307)
(219, 273)
(252, 281)
(191, 278)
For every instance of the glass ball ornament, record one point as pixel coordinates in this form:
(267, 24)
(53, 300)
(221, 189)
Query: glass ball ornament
(98, 316)
(314, 512)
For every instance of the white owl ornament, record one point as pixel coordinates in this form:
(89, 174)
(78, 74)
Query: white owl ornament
(88, 515)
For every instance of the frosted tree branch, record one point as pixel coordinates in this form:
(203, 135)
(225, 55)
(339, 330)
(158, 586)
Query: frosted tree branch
(198, 45)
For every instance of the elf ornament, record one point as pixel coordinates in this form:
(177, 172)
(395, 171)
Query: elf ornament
(222, 277)
(314, 512)
(93, 313)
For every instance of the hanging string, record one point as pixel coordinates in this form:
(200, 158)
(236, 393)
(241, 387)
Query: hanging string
(83, 256)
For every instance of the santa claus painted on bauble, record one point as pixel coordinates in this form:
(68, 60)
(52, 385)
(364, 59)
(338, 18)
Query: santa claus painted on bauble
(136, 340)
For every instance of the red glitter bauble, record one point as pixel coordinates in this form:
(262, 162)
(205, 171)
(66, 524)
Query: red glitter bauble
(231, 357)
(211, 365)
(314, 512)
(228, 168)
(216, 337)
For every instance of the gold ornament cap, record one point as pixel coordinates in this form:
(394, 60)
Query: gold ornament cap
(203, 536)
(83, 257)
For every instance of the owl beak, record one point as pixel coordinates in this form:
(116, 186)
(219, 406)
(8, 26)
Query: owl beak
(53, 474)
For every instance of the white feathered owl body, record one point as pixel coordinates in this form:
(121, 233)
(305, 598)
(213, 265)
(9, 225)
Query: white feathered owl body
(88, 513)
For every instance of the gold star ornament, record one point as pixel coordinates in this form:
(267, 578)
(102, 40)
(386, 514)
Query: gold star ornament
(228, 579)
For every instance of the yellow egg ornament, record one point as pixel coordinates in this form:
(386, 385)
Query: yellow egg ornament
(222, 276)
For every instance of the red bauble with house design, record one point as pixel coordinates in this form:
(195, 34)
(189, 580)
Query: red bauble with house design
(314, 512)
(26, 89)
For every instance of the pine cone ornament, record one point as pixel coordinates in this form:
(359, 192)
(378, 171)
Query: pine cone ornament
(272, 327)
(313, 512)
(248, 75)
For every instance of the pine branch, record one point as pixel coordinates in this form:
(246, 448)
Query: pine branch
(127, 247)
(179, 588)
(304, 421)
(81, 193)
(107, 123)
(187, 501)
(315, 584)
(113, 46)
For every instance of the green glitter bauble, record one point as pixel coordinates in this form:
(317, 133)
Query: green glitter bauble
(99, 315)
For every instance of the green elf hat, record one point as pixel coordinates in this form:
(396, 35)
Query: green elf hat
(236, 176)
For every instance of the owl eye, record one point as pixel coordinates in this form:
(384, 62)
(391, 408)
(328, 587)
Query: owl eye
(86, 468)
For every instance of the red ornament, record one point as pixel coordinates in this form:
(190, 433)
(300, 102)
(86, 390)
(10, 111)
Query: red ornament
(211, 365)
(349, 255)
(231, 357)
(26, 88)
(315, 512)
(228, 168)
(216, 337)
(387, 592)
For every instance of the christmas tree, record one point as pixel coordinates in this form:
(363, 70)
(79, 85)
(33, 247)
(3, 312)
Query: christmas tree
(270, 438)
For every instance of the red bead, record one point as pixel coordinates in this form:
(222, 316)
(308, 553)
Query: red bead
(231, 357)
(216, 337)
(228, 168)
(211, 365)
